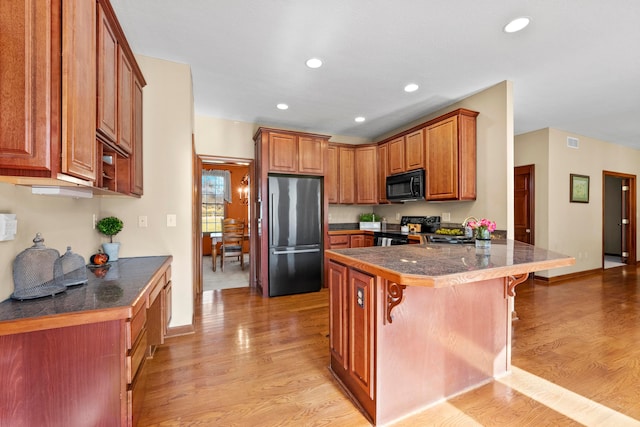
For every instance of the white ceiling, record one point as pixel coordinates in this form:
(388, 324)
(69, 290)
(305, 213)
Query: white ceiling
(575, 68)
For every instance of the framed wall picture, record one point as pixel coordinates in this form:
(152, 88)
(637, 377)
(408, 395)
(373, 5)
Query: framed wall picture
(579, 188)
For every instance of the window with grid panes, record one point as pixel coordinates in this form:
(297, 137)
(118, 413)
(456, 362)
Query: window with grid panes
(212, 203)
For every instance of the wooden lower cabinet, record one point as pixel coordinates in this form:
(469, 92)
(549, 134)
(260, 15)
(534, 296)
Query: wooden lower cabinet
(340, 241)
(350, 240)
(352, 307)
(357, 241)
(89, 373)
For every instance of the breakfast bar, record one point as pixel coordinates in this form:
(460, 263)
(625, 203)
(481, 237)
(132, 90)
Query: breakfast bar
(413, 325)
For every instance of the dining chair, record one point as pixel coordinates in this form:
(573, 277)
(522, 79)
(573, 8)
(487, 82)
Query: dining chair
(232, 238)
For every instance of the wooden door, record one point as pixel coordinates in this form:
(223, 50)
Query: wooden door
(125, 102)
(107, 78)
(627, 218)
(283, 152)
(79, 70)
(137, 177)
(311, 155)
(366, 160)
(30, 68)
(356, 241)
(524, 203)
(338, 308)
(331, 177)
(396, 155)
(625, 222)
(361, 330)
(383, 171)
(346, 157)
(414, 150)
(442, 160)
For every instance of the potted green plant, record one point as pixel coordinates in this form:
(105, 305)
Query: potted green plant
(369, 221)
(110, 226)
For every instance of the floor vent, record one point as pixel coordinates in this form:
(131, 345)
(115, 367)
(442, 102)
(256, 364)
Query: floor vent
(572, 142)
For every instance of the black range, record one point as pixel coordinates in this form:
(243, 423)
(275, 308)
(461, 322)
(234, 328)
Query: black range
(426, 224)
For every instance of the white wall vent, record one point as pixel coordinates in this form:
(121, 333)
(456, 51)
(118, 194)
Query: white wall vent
(573, 142)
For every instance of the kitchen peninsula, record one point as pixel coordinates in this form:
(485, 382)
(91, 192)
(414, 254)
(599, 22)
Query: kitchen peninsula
(412, 325)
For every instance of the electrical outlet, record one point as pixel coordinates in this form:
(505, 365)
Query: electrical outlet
(446, 216)
(398, 216)
(142, 221)
(95, 220)
(171, 220)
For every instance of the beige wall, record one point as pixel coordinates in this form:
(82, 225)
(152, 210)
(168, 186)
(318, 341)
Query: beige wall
(495, 163)
(232, 138)
(167, 180)
(62, 221)
(533, 149)
(571, 228)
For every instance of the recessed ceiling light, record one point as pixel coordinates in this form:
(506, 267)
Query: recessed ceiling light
(282, 107)
(314, 63)
(411, 87)
(517, 24)
(360, 119)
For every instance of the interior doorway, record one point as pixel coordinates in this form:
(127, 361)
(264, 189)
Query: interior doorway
(618, 224)
(237, 206)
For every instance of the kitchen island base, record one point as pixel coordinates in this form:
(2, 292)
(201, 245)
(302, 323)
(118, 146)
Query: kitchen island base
(401, 349)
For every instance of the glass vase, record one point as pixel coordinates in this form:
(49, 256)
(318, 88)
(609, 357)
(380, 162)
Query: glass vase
(483, 238)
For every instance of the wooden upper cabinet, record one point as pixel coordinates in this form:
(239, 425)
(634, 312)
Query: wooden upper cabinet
(347, 187)
(414, 150)
(406, 152)
(292, 152)
(283, 152)
(366, 160)
(311, 155)
(383, 172)
(79, 72)
(137, 182)
(107, 77)
(331, 176)
(444, 146)
(60, 80)
(451, 157)
(30, 107)
(467, 160)
(442, 160)
(396, 156)
(125, 102)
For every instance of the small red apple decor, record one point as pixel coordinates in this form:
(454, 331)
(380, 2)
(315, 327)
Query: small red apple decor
(99, 259)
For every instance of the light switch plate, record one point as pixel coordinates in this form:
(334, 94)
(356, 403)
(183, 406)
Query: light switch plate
(142, 221)
(171, 220)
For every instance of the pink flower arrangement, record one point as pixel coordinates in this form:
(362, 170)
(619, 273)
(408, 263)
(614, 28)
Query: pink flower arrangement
(483, 224)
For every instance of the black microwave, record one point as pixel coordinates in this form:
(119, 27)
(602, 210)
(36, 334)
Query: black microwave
(407, 186)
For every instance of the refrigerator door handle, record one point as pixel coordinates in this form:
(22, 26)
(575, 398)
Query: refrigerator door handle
(271, 221)
(295, 251)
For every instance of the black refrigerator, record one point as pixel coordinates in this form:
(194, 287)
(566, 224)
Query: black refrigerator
(295, 234)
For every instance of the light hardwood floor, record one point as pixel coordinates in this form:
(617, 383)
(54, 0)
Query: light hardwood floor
(264, 362)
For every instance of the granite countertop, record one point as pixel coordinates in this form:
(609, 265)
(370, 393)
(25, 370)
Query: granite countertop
(442, 264)
(112, 295)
